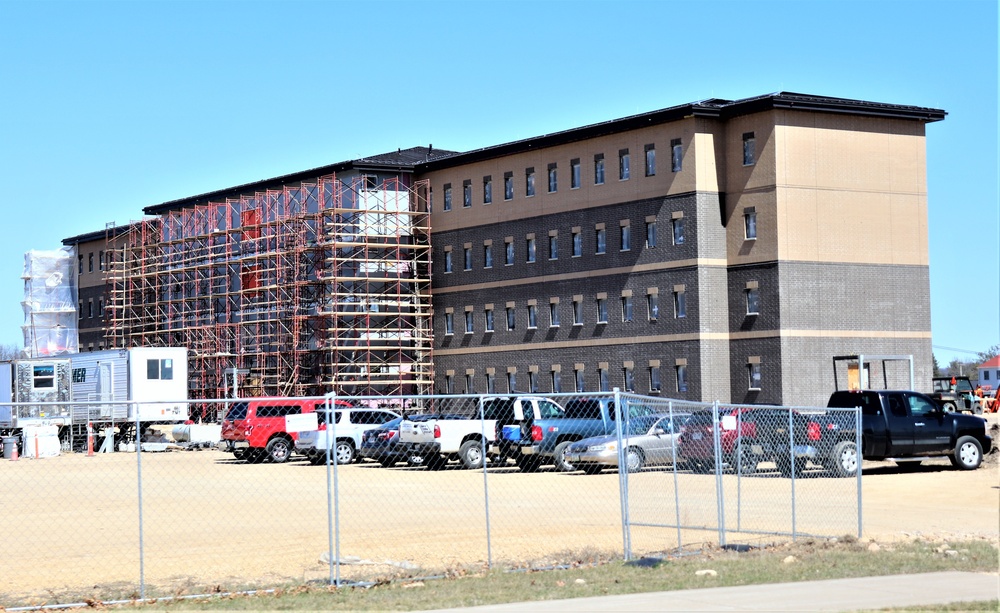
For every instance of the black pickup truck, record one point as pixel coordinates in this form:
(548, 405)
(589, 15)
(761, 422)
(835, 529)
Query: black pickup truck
(903, 426)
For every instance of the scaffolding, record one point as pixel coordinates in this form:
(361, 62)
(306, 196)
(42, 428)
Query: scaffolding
(319, 287)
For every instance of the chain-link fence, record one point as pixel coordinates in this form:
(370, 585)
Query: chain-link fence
(340, 490)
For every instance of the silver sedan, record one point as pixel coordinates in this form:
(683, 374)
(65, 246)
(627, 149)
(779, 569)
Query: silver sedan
(648, 441)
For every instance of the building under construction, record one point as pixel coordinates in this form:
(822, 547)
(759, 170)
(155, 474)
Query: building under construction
(297, 288)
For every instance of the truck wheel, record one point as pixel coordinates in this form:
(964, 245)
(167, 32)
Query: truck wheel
(634, 459)
(528, 463)
(948, 407)
(471, 454)
(977, 409)
(968, 454)
(845, 459)
(278, 450)
(560, 457)
(345, 452)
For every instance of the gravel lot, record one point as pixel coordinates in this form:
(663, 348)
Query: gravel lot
(72, 523)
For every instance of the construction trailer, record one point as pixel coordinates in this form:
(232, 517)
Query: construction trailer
(108, 394)
(317, 287)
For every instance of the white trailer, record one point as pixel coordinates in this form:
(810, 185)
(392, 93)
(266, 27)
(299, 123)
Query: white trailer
(145, 384)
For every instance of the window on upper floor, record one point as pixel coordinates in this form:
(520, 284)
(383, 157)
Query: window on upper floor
(625, 236)
(753, 301)
(682, 377)
(508, 186)
(511, 382)
(553, 314)
(654, 379)
(530, 249)
(553, 179)
(488, 256)
(653, 306)
(577, 312)
(578, 380)
(651, 234)
(487, 189)
(529, 182)
(511, 318)
(469, 324)
(675, 155)
(467, 257)
(508, 247)
(624, 171)
(467, 193)
(599, 169)
(447, 196)
(677, 226)
(750, 223)
(491, 383)
(533, 381)
(680, 304)
(555, 380)
(447, 261)
(469, 387)
(574, 173)
(627, 308)
(601, 241)
(650, 160)
(629, 377)
(553, 247)
(90, 262)
(604, 381)
(602, 311)
(449, 384)
(577, 244)
(754, 375)
(532, 317)
(449, 323)
(749, 148)
(489, 320)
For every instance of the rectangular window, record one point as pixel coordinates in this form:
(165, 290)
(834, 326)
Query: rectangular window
(577, 244)
(467, 193)
(650, 160)
(532, 382)
(623, 165)
(578, 380)
(449, 323)
(449, 384)
(447, 261)
(553, 314)
(753, 372)
(750, 223)
(530, 254)
(650, 234)
(680, 305)
(489, 320)
(675, 155)
(100, 307)
(487, 189)
(467, 255)
(599, 169)
(653, 306)
(553, 247)
(556, 385)
(529, 182)
(100, 260)
(753, 301)
(469, 388)
(602, 376)
(80, 258)
(511, 382)
(153, 370)
(577, 313)
(626, 237)
(682, 378)
(487, 256)
(90, 262)
(447, 196)
(532, 317)
(574, 173)
(166, 369)
(654, 379)
(44, 376)
(629, 378)
(749, 146)
(508, 186)
(678, 228)
(553, 179)
(491, 383)
(602, 241)
(602, 311)
(511, 318)
(90, 308)
(508, 253)
(469, 326)
(626, 308)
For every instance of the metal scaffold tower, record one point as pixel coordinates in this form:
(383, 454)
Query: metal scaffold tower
(304, 290)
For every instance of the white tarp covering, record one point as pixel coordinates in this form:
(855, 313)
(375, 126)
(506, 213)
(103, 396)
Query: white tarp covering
(50, 316)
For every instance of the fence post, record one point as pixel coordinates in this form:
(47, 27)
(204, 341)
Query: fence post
(860, 452)
(138, 462)
(720, 506)
(621, 413)
(486, 482)
(792, 459)
(673, 452)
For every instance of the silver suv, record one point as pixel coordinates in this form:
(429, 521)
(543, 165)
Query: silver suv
(349, 426)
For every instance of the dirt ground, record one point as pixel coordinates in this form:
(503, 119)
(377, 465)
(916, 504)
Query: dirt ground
(72, 523)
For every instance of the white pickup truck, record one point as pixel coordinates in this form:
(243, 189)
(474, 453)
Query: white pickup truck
(433, 442)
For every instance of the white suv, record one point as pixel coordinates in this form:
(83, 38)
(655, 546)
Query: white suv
(350, 425)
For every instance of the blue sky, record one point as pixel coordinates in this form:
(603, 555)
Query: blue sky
(106, 108)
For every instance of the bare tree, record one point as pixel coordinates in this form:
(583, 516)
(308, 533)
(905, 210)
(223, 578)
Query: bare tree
(989, 354)
(9, 352)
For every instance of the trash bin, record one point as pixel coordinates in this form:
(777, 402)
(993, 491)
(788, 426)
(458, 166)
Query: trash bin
(9, 445)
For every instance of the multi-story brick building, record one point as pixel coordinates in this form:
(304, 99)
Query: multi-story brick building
(715, 250)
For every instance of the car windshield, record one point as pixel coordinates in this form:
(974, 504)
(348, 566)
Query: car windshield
(641, 425)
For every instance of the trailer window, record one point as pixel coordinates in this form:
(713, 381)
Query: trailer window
(43, 377)
(160, 369)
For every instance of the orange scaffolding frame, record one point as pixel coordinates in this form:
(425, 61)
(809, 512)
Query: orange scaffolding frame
(313, 288)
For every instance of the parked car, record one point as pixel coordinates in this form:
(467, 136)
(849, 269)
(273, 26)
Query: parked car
(435, 439)
(514, 417)
(382, 444)
(749, 436)
(349, 424)
(258, 429)
(648, 441)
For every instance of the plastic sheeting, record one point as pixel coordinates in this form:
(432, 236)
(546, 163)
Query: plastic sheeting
(50, 317)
